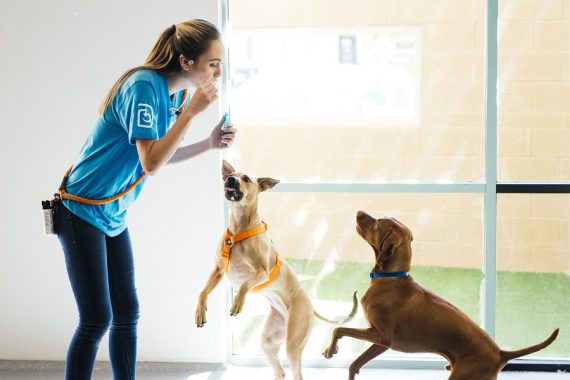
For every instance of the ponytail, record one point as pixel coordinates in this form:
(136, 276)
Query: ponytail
(190, 38)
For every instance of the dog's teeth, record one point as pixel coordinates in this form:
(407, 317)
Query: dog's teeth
(232, 198)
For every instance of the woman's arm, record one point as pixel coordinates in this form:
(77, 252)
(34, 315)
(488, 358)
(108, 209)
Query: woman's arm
(218, 139)
(153, 154)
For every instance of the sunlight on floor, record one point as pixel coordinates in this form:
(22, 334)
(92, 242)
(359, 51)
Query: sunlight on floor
(200, 376)
(241, 372)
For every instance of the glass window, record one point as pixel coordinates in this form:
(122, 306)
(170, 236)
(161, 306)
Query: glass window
(380, 92)
(534, 91)
(393, 93)
(533, 265)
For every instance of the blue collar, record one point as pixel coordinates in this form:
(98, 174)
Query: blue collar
(393, 274)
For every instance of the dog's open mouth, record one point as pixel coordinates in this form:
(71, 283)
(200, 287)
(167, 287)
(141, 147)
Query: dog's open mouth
(232, 194)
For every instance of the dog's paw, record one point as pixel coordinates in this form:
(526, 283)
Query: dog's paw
(200, 316)
(330, 351)
(237, 306)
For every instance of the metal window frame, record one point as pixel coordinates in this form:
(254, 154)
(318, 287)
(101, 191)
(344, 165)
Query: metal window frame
(490, 188)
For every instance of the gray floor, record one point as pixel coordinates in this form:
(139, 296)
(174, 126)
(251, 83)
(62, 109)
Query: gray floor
(10, 370)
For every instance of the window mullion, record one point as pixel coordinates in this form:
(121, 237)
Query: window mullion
(489, 293)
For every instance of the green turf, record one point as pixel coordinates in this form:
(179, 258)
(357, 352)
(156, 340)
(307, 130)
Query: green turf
(529, 305)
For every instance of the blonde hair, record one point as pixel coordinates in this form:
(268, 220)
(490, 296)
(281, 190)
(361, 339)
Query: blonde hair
(190, 38)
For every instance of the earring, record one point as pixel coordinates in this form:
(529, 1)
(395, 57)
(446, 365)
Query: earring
(190, 62)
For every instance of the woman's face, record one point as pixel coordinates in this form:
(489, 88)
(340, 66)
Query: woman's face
(208, 66)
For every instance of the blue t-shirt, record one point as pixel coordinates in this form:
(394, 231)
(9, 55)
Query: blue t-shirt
(108, 162)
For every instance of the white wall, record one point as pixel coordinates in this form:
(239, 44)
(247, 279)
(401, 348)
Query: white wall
(58, 59)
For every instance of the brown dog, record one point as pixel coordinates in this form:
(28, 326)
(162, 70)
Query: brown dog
(406, 317)
(253, 261)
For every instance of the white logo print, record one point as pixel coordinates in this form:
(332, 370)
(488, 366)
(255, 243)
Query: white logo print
(145, 116)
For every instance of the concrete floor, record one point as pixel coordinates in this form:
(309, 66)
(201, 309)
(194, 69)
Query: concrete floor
(163, 371)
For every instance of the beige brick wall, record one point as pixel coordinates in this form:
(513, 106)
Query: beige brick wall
(534, 134)
(534, 232)
(451, 127)
(447, 229)
(534, 40)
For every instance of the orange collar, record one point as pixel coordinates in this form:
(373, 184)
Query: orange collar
(229, 240)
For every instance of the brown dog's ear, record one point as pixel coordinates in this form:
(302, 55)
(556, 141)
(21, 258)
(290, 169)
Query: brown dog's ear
(227, 169)
(266, 183)
(387, 247)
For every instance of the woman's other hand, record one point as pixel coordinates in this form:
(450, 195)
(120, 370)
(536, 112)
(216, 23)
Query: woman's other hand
(222, 138)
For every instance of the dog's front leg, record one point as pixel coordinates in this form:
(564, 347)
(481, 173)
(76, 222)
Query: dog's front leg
(214, 279)
(239, 299)
(370, 335)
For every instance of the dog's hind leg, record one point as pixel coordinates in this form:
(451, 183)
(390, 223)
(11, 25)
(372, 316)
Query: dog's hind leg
(299, 324)
(471, 371)
(271, 340)
(366, 356)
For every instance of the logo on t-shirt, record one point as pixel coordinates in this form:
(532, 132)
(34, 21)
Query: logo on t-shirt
(145, 116)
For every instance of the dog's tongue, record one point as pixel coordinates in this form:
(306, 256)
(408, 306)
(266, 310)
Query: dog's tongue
(229, 189)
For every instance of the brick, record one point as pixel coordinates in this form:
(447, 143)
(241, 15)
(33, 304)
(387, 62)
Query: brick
(551, 206)
(545, 233)
(515, 35)
(531, 10)
(527, 119)
(453, 68)
(513, 259)
(417, 12)
(546, 260)
(445, 97)
(513, 205)
(516, 97)
(550, 143)
(551, 36)
(529, 169)
(548, 97)
(565, 170)
(530, 66)
(466, 11)
(460, 37)
(515, 142)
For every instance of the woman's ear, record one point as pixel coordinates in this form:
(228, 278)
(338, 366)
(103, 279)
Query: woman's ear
(184, 62)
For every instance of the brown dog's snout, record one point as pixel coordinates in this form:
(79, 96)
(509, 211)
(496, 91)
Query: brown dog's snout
(361, 216)
(363, 219)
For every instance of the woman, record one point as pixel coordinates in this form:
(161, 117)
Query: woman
(142, 121)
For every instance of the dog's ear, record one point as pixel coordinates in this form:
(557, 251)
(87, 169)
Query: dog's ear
(227, 169)
(266, 183)
(387, 247)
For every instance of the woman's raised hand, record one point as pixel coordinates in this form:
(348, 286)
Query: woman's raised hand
(205, 94)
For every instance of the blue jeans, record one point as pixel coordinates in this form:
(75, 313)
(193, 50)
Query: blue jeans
(101, 272)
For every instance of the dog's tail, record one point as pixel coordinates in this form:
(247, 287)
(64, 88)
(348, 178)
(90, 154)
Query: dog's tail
(349, 317)
(508, 355)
